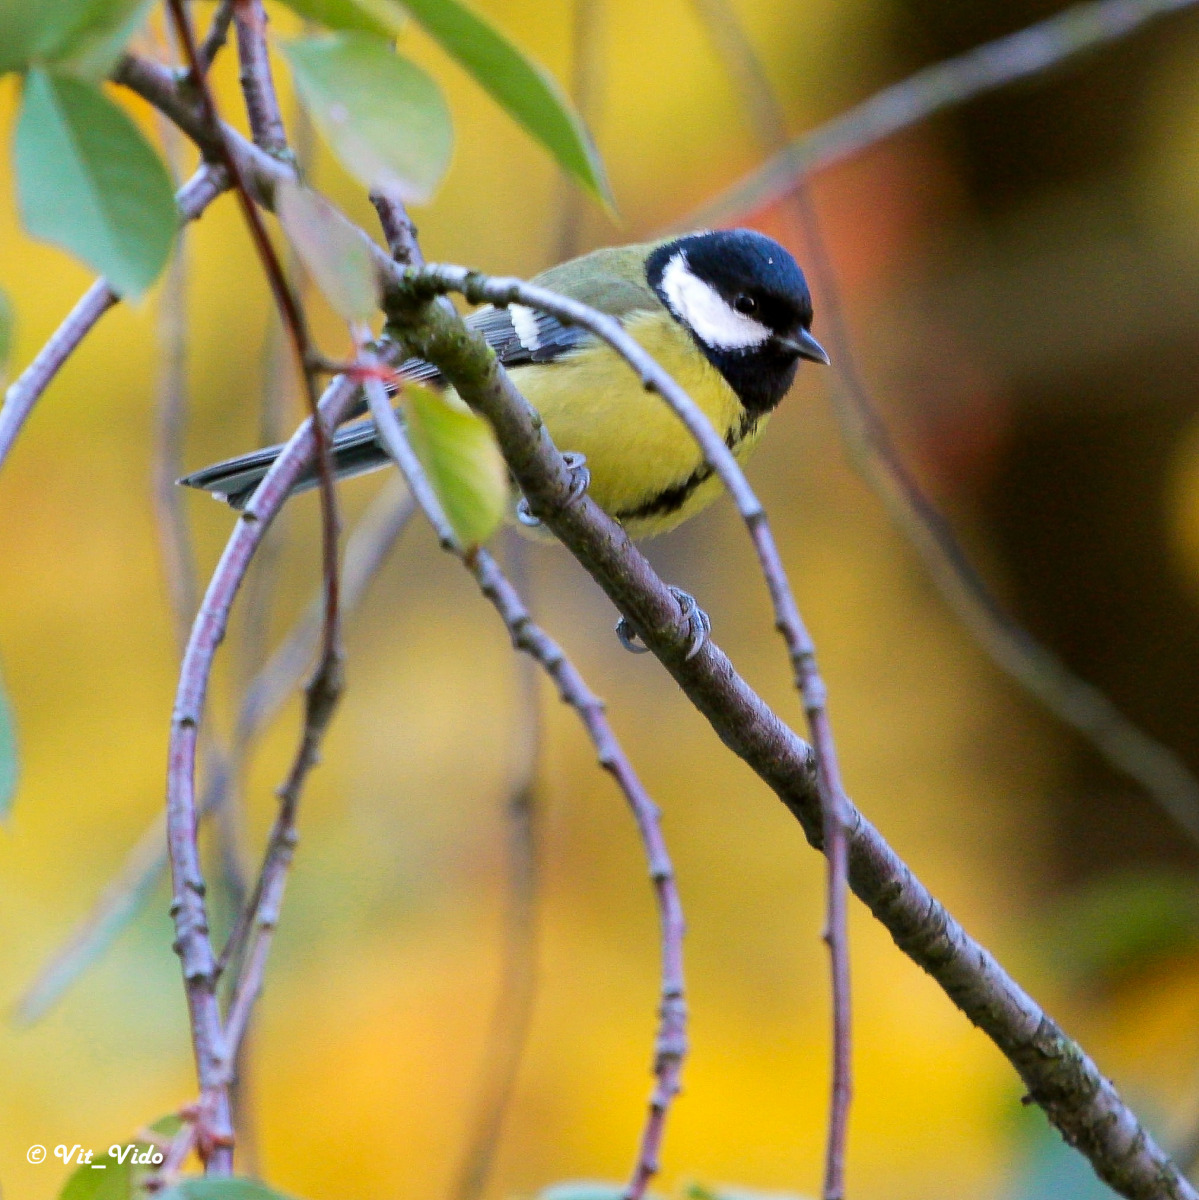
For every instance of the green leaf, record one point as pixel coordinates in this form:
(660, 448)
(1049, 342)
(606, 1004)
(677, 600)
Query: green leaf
(92, 50)
(1122, 923)
(8, 755)
(331, 249)
(167, 1126)
(380, 17)
(201, 1188)
(82, 37)
(458, 451)
(89, 181)
(525, 90)
(115, 1182)
(384, 118)
(8, 323)
(123, 1172)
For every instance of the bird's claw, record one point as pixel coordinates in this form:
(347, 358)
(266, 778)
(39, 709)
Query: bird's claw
(580, 481)
(698, 622)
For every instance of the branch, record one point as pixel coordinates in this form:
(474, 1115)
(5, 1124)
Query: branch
(1058, 1073)
(397, 227)
(1060, 1076)
(671, 1044)
(944, 85)
(188, 905)
(328, 677)
(257, 85)
(218, 33)
(477, 289)
(192, 199)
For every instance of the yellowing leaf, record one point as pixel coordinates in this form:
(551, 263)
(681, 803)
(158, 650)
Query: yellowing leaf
(384, 118)
(331, 249)
(463, 462)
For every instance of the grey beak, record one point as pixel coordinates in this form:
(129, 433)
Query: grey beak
(805, 346)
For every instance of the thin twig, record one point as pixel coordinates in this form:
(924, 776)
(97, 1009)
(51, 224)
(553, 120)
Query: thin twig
(770, 123)
(25, 391)
(397, 227)
(257, 83)
(329, 672)
(325, 687)
(179, 562)
(1057, 1072)
(944, 85)
(367, 549)
(320, 700)
(188, 905)
(177, 1151)
(218, 33)
(258, 594)
(273, 424)
(671, 1042)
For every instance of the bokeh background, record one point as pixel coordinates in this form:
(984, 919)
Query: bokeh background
(1022, 277)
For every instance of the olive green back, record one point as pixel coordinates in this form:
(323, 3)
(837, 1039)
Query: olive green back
(611, 280)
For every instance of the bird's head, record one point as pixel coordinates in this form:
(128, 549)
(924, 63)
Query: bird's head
(745, 301)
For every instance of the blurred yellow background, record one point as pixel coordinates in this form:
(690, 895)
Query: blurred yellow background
(1023, 282)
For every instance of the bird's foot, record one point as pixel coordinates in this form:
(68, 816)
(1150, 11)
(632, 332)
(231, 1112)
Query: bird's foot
(698, 622)
(580, 481)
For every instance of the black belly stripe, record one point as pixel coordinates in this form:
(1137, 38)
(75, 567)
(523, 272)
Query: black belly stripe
(670, 500)
(673, 498)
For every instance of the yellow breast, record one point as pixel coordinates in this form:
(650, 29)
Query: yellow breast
(639, 454)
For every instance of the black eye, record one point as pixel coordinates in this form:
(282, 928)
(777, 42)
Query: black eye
(745, 304)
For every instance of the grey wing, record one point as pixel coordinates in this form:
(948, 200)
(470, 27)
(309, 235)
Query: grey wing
(517, 335)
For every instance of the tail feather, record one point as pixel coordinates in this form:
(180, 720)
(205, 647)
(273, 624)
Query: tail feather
(355, 451)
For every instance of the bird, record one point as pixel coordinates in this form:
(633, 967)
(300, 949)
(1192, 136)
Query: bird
(727, 313)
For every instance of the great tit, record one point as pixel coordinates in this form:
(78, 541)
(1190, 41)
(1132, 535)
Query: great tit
(726, 313)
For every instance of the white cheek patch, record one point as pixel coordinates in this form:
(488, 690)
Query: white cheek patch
(524, 321)
(700, 306)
